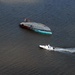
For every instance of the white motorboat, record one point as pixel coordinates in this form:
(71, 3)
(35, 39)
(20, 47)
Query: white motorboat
(51, 48)
(47, 47)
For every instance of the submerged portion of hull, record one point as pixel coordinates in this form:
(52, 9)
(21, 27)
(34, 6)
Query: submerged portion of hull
(25, 27)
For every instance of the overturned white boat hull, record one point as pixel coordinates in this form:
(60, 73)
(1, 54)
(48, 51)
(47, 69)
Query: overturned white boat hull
(36, 27)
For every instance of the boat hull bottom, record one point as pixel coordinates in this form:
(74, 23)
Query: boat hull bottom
(35, 30)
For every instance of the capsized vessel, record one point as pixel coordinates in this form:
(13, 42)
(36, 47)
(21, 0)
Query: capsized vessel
(37, 27)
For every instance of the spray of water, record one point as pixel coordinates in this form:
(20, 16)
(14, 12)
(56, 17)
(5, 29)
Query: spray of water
(71, 50)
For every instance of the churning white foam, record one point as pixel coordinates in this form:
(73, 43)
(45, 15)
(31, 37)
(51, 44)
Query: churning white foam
(71, 50)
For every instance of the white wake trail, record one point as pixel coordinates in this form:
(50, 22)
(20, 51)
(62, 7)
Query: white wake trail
(71, 50)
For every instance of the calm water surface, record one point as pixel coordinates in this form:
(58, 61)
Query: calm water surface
(19, 51)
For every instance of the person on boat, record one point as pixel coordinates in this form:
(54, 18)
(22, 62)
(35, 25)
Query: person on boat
(50, 47)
